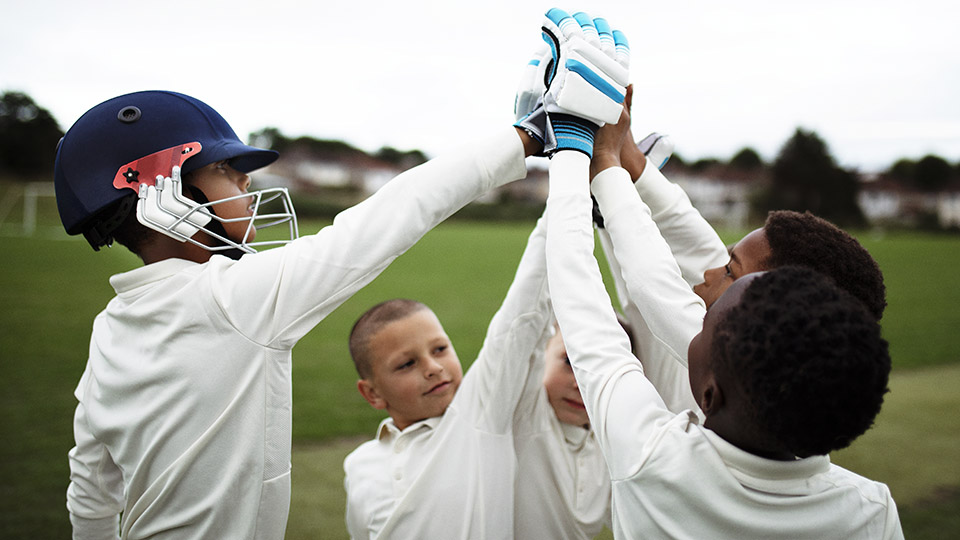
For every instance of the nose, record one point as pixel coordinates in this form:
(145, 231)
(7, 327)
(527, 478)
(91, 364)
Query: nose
(431, 367)
(712, 274)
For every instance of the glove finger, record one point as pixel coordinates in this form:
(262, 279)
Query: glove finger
(589, 30)
(623, 48)
(562, 24)
(531, 84)
(607, 44)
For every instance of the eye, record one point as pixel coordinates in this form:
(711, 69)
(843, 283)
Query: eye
(566, 360)
(406, 365)
(440, 349)
(729, 273)
(222, 165)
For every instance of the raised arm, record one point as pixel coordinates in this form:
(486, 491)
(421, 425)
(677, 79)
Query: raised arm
(277, 296)
(623, 406)
(515, 333)
(693, 241)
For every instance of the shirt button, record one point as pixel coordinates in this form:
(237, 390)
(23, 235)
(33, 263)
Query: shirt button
(397, 474)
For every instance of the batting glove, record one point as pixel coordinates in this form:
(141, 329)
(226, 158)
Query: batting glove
(528, 104)
(586, 82)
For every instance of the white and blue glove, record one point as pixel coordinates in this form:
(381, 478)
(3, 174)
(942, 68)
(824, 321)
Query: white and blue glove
(528, 104)
(586, 80)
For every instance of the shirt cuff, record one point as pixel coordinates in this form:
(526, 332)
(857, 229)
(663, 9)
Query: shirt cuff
(613, 190)
(655, 189)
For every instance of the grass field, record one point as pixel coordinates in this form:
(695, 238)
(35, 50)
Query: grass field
(54, 286)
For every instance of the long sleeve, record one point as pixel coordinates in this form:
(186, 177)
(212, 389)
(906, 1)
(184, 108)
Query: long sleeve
(696, 248)
(313, 275)
(653, 280)
(513, 336)
(622, 404)
(693, 241)
(95, 493)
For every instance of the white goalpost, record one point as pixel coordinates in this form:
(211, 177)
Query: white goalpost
(30, 194)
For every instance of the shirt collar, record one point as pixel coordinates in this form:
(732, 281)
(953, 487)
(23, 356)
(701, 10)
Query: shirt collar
(388, 429)
(752, 469)
(574, 435)
(149, 273)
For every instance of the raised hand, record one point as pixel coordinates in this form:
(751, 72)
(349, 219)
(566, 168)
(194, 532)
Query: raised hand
(586, 80)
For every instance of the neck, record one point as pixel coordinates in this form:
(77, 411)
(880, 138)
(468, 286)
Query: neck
(744, 438)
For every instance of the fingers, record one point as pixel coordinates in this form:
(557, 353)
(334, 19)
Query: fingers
(622, 48)
(590, 32)
(561, 23)
(607, 44)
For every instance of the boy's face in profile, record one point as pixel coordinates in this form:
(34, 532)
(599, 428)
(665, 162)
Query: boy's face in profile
(561, 386)
(700, 350)
(746, 257)
(415, 370)
(221, 181)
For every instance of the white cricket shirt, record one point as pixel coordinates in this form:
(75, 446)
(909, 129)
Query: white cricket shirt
(452, 477)
(184, 414)
(672, 478)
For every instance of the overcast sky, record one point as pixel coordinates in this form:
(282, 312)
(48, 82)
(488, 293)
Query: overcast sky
(878, 80)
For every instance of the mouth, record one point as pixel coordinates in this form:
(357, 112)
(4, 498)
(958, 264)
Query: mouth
(575, 404)
(438, 388)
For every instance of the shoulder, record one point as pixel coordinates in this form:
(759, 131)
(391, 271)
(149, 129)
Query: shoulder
(363, 456)
(869, 490)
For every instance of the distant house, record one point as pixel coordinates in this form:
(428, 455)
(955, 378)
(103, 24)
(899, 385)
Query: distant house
(885, 201)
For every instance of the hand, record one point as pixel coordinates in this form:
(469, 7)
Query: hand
(586, 83)
(610, 143)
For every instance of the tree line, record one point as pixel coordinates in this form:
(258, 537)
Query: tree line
(803, 176)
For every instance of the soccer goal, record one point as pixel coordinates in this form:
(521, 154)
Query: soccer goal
(29, 209)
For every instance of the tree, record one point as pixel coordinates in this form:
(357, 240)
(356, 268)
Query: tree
(806, 177)
(28, 136)
(746, 159)
(903, 170)
(405, 160)
(932, 173)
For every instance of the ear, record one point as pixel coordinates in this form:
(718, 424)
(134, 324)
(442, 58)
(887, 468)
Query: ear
(711, 398)
(369, 393)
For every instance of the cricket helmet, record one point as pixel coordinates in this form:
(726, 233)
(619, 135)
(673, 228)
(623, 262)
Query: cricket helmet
(131, 150)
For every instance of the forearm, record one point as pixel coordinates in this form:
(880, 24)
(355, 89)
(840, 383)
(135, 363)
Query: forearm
(107, 528)
(514, 334)
(619, 400)
(653, 280)
(693, 241)
(306, 280)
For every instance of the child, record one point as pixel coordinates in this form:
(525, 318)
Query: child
(787, 238)
(452, 476)
(562, 484)
(442, 465)
(184, 415)
(786, 369)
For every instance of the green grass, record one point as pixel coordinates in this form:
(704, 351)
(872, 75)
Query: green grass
(53, 287)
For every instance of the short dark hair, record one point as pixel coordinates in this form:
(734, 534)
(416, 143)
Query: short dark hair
(807, 240)
(132, 234)
(808, 358)
(371, 322)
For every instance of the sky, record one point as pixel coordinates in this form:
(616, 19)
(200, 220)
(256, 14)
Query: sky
(877, 80)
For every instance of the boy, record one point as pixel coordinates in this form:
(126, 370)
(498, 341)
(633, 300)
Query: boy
(787, 368)
(787, 238)
(452, 475)
(184, 415)
(442, 465)
(562, 484)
